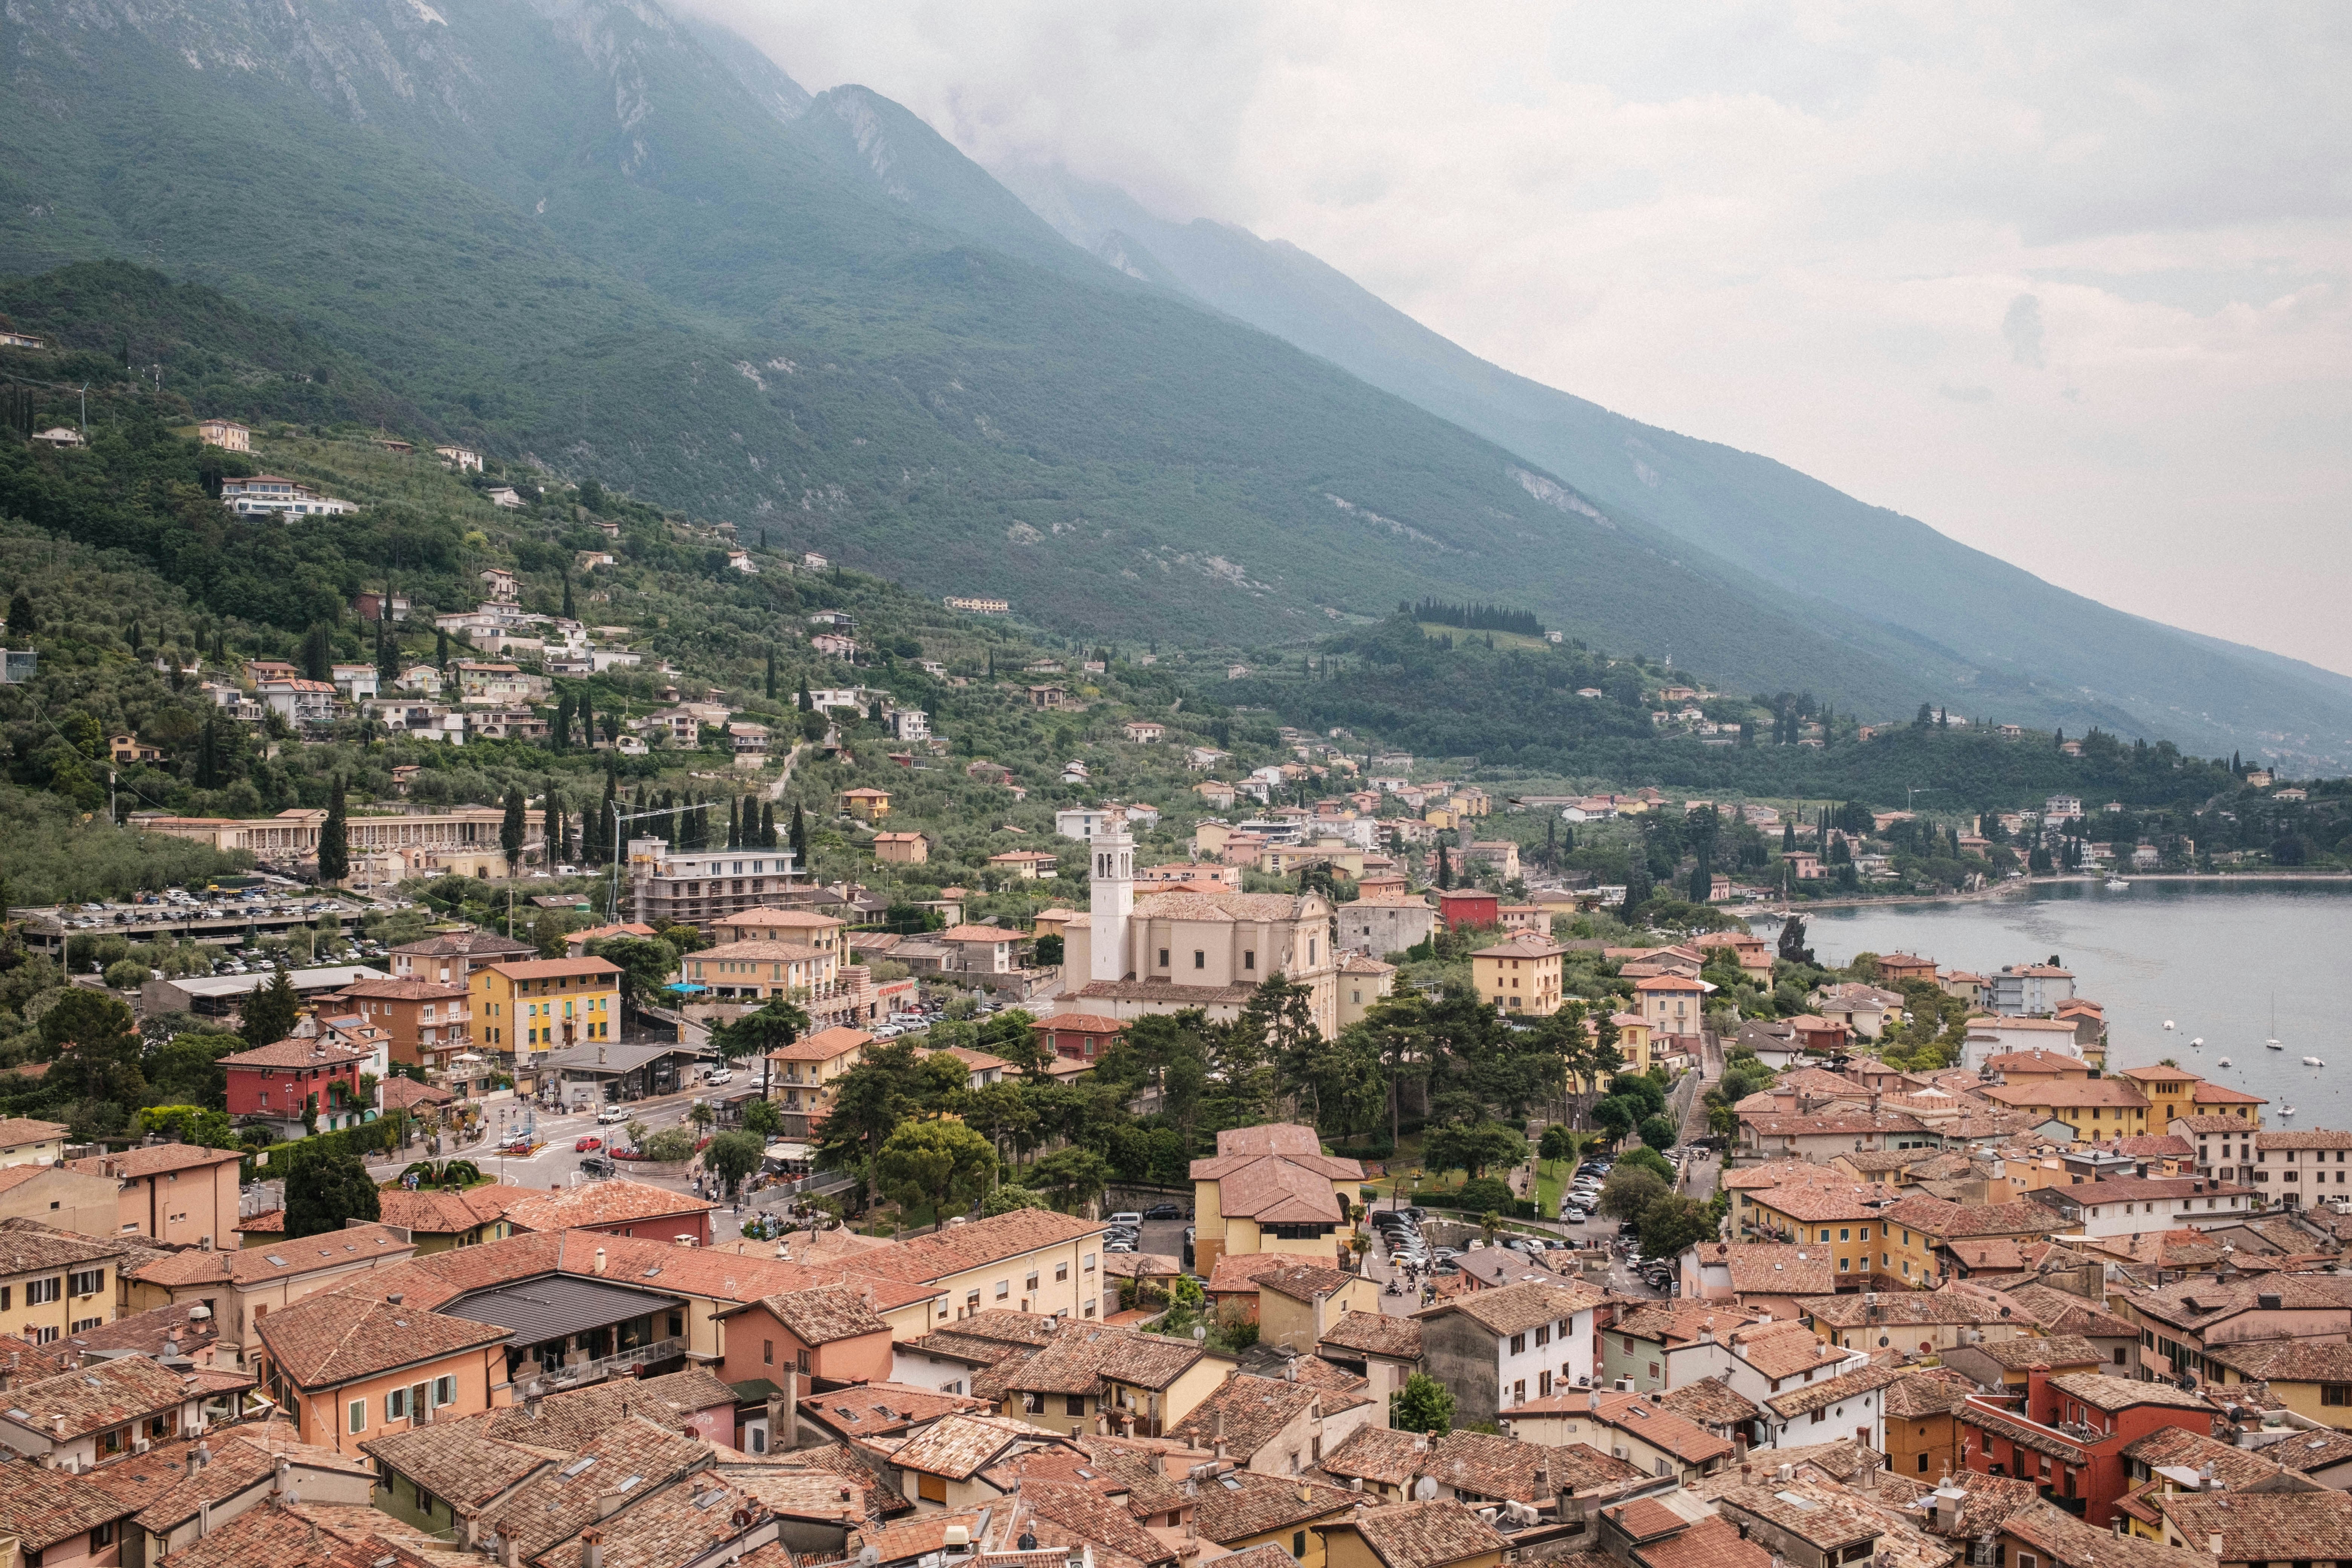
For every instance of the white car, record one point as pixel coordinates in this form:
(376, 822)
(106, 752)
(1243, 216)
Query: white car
(1126, 1218)
(613, 1113)
(721, 1075)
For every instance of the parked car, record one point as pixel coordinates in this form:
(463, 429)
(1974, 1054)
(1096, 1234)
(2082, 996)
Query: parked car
(587, 1141)
(598, 1166)
(1164, 1211)
(1126, 1216)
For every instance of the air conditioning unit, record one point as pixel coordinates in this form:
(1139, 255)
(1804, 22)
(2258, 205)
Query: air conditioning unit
(139, 1444)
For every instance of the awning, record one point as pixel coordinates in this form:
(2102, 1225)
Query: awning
(556, 1306)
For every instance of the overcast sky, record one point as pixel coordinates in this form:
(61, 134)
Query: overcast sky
(2067, 282)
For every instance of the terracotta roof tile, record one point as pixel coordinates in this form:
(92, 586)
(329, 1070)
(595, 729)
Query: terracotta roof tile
(827, 1313)
(1711, 1402)
(1082, 1356)
(154, 1160)
(554, 1505)
(332, 1338)
(1375, 1333)
(1515, 1309)
(961, 1446)
(1821, 1395)
(596, 1204)
(1242, 1503)
(1426, 1534)
(1083, 1508)
(1377, 1453)
(459, 1463)
(1712, 1542)
(44, 1507)
(1783, 1350)
(572, 1420)
(104, 1393)
(2257, 1527)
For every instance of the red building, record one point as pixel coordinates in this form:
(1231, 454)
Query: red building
(278, 1083)
(1460, 906)
(2069, 1439)
(1078, 1037)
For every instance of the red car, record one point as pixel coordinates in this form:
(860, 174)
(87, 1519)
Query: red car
(586, 1143)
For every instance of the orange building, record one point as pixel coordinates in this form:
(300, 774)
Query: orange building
(428, 1021)
(346, 1368)
(177, 1193)
(827, 1333)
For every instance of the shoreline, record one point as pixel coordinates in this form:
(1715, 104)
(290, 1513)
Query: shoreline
(2007, 889)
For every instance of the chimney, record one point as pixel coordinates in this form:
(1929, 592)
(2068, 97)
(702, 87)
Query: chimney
(775, 1419)
(792, 1438)
(204, 1454)
(1218, 1437)
(1740, 1446)
(591, 1549)
(600, 1260)
(2037, 1393)
(204, 1519)
(2213, 1545)
(192, 1461)
(508, 1551)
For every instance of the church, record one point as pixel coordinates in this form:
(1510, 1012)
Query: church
(1191, 945)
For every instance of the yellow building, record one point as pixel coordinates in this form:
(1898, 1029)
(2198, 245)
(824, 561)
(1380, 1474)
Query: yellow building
(867, 805)
(2170, 1092)
(2308, 1378)
(800, 1076)
(53, 1283)
(2092, 1107)
(1272, 1189)
(1521, 976)
(1633, 1041)
(1924, 1238)
(1363, 982)
(528, 1009)
(755, 971)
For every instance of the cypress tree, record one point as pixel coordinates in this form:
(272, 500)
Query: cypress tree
(440, 649)
(800, 839)
(334, 844)
(587, 719)
(562, 730)
(551, 825)
(771, 672)
(510, 829)
(567, 597)
(734, 826)
(807, 703)
(269, 1014)
(767, 825)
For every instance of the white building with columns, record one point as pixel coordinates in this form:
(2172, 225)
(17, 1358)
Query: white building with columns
(1193, 946)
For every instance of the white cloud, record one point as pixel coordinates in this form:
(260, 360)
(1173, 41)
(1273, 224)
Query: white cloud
(2066, 281)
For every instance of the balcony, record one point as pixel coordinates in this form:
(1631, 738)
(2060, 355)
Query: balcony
(578, 1373)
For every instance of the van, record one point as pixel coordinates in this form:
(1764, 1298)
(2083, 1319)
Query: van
(1128, 1218)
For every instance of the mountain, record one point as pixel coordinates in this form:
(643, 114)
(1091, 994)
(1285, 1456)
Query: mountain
(629, 249)
(572, 230)
(1985, 637)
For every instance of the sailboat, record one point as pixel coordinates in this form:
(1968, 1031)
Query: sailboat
(2272, 1044)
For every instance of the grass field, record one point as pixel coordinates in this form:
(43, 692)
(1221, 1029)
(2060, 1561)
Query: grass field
(1502, 639)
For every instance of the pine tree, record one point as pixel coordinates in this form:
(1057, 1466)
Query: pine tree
(334, 843)
(269, 1014)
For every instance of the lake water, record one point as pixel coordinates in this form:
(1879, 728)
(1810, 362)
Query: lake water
(2214, 958)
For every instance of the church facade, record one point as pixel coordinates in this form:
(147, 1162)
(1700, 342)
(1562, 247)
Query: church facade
(1140, 953)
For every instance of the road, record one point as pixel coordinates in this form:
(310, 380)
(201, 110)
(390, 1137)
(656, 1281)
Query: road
(557, 1163)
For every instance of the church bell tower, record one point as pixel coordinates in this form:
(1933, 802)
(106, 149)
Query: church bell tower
(1112, 900)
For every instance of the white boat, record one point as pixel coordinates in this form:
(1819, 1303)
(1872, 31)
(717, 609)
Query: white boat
(2273, 1046)
(2312, 1062)
(2197, 1044)
(2117, 883)
(2225, 1062)
(2167, 1024)
(2287, 1111)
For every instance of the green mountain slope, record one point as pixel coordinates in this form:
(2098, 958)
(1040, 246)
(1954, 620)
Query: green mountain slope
(570, 232)
(1986, 635)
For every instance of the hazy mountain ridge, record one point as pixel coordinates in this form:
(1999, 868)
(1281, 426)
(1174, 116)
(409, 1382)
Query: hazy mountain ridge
(1985, 635)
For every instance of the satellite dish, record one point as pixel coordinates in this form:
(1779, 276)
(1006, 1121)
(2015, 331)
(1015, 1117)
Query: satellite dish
(1425, 1490)
(869, 1555)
